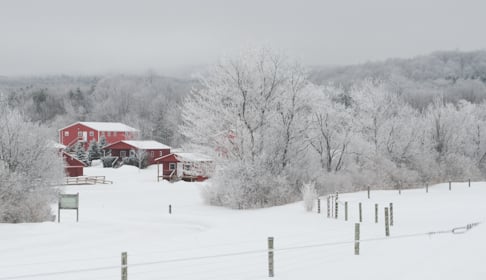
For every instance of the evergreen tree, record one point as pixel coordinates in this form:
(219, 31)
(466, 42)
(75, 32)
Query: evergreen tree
(80, 152)
(93, 151)
(102, 143)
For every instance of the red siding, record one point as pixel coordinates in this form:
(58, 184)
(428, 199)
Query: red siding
(166, 163)
(72, 138)
(117, 148)
(72, 167)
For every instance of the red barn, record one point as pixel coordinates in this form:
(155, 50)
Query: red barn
(72, 166)
(185, 166)
(127, 148)
(86, 132)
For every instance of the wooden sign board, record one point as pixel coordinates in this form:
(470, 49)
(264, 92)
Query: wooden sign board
(68, 201)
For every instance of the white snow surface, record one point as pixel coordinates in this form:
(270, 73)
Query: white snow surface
(109, 126)
(193, 157)
(146, 144)
(198, 241)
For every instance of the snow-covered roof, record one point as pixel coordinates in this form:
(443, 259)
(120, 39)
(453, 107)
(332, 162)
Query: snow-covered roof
(146, 144)
(106, 126)
(194, 157)
(54, 144)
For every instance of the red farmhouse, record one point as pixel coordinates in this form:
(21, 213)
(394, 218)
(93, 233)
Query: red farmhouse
(185, 166)
(126, 148)
(72, 166)
(86, 132)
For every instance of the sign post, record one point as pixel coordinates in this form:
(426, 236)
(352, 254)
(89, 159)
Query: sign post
(69, 202)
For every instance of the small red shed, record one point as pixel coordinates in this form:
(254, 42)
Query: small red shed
(85, 132)
(72, 166)
(127, 148)
(185, 166)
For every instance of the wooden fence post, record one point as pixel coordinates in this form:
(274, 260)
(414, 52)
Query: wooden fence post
(387, 227)
(360, 213)
(368, 192)
(318, 206)
(391, 214)
(399, 190)
(328, 206)
(124, 267)
(376, 213)
(336, 210)
(450, 185)
(356, 238)
(346, 211)
(170, 209)
(469, 182)
(427, 187)
(270, 257)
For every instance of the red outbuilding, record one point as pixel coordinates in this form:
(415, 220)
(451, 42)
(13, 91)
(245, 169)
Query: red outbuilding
(72, 166)
(86, 132)
(184, 166)
(126, 148)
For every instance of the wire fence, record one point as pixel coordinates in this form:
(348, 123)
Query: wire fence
(210, 266)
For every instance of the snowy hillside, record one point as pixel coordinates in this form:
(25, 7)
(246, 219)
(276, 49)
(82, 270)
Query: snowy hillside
(198, 241)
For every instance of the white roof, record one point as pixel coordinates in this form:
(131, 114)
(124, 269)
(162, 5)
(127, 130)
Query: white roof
(192, 157)
(146, 144)
(106, 126)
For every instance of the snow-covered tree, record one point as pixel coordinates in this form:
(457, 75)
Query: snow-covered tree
(80, 153)
(29, 166)
(254, 108)
(94, 151)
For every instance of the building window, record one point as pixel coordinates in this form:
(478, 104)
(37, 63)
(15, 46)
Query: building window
(109, 133)
(127, 134)
(123, 154)
(132, 153)
(172, 166)
(91, 133)
(80, 134)
(152, 154)
(66, 133)
(160, 153)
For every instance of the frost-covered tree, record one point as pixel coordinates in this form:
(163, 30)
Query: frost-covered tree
(29, 166)
(253, 108)
(331, 129)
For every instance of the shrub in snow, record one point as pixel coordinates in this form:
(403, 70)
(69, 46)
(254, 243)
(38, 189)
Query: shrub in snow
(243, 186)
(108, 161)
(309, 195)
(29, 166)
(143, 163)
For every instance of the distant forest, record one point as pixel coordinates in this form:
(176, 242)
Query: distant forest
(152, 103)
(392, 124)
(453, 75)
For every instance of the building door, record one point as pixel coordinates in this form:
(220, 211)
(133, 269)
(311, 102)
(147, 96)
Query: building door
(180, 169)
(85, 136)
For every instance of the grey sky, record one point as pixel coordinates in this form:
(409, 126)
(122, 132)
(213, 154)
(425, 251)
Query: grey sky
(96, 36)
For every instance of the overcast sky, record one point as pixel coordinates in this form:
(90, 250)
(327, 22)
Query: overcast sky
(100, 36)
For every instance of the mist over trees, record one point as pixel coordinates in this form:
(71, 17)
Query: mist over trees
(275, 130)
(148, 102)
(273, 125)
(452, 75)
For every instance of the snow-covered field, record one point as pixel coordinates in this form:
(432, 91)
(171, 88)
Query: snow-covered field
(202, 242)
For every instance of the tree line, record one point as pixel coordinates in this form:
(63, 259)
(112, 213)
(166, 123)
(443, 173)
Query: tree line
(274, 130)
